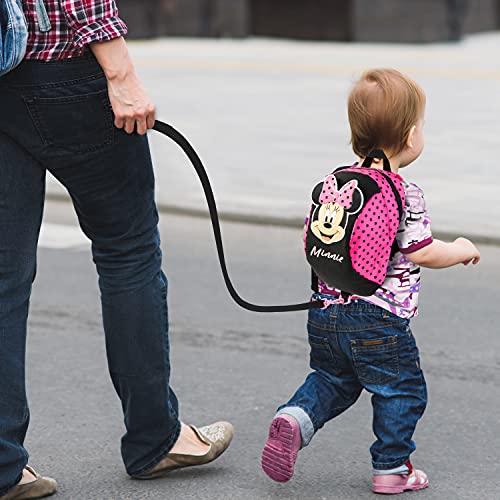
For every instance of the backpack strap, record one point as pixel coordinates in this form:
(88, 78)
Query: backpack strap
(314, 281)
(377, 153)
(184, 144)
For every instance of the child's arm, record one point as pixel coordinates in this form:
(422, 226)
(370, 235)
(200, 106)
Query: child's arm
(439, 254)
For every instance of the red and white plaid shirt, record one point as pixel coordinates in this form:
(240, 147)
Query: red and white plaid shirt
(75, 24)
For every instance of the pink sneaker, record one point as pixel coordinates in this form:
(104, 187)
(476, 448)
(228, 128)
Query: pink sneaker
(392, 484)
(282, 447)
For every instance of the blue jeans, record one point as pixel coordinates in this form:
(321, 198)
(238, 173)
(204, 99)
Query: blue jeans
(362, 346)
(56, 117)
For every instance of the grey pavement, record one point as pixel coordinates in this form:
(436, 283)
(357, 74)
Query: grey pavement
(229, 363)
(268, 117)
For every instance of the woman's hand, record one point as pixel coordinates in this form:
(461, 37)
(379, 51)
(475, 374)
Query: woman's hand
(133, 109)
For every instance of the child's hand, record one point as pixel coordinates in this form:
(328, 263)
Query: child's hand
(470, 251)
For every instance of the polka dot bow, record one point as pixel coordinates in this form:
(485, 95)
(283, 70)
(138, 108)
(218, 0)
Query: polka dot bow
(330, 193)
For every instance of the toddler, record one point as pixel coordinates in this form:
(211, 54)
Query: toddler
(365, 342)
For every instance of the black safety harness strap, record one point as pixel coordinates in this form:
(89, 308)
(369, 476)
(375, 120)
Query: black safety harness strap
(184, 144)
(378, 154)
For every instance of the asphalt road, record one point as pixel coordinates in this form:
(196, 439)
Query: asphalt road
(228, 363)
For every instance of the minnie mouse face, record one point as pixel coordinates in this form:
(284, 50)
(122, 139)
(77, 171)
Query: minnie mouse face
(327, 226)
(332, 205)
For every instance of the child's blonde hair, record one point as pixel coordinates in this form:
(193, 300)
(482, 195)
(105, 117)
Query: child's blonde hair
(383, 106)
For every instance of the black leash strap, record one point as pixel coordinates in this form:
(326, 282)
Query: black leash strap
(184, 144)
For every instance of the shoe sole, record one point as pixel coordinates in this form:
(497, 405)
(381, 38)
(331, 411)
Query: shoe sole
(31, 495)
(278, 457)
(394, 490)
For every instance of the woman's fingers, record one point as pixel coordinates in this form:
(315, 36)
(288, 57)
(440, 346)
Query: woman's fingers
(132, 107)
(151, 118)
(136, 120)
(129, 126)
(141, 126)
(119, 122)
(145, 119)
(135, 123)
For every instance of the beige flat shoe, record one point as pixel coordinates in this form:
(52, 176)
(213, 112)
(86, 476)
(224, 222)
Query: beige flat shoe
(218, 436)
(41, 487)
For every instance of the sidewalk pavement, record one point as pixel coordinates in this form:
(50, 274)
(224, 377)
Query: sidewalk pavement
(268, 118)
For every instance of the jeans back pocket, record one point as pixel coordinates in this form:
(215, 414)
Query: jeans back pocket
(322, 356)
(75, 124)
(376, 360)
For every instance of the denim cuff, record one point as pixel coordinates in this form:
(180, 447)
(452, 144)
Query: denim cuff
(165, 450)
(4, 491)
(304, 421)
(387, 466)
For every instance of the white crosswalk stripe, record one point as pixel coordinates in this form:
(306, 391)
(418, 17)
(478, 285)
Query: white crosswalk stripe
(62, 236)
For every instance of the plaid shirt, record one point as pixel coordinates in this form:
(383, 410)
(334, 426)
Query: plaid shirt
(75, 24)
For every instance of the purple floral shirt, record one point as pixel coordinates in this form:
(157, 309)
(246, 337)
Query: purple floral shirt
(400, 290)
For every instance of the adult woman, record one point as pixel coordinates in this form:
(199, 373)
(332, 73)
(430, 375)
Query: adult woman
(57, 112)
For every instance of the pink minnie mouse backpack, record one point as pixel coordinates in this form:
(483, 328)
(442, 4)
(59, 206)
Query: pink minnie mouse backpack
(352, 226)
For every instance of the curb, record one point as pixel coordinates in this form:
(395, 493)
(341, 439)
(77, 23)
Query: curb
(292, 223)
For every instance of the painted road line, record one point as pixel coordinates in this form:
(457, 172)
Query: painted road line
(60, 236)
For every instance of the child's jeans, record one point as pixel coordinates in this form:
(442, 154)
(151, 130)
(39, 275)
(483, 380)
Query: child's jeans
(356, 346)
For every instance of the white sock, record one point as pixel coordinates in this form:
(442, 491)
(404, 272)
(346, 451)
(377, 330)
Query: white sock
(402, 469)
